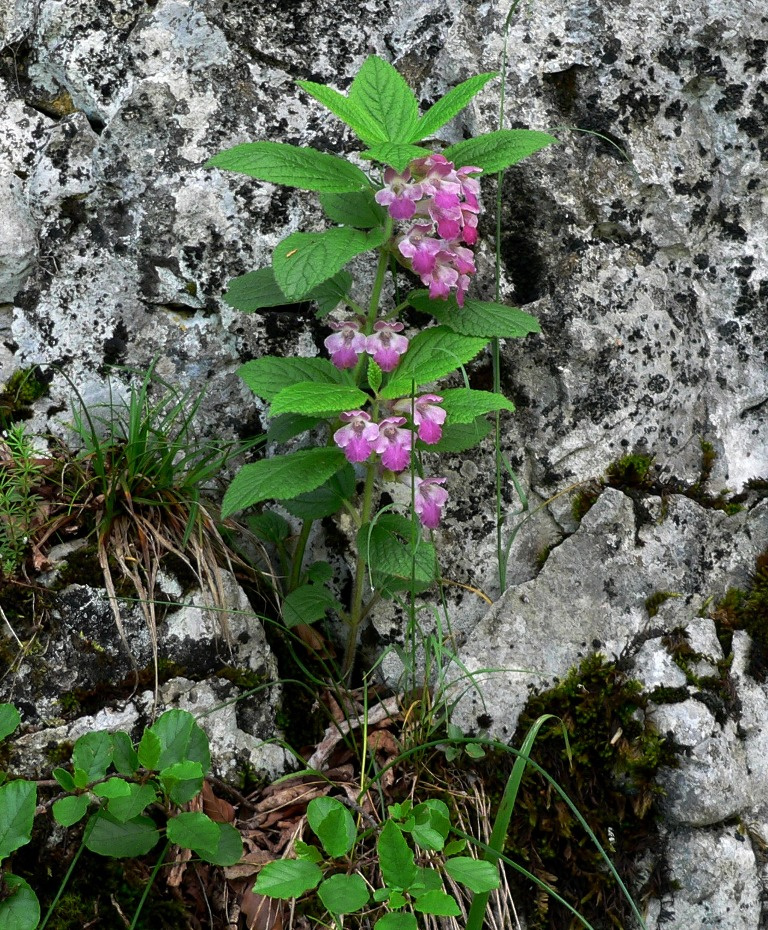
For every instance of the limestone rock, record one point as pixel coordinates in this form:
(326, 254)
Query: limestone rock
(18, 240)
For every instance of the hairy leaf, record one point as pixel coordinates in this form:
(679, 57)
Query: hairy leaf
(386, 99)
(449, 105)
(432, 354)
(497, 150)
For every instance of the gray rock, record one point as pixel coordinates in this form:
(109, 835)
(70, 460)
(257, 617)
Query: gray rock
(18, 240)
(655, 667)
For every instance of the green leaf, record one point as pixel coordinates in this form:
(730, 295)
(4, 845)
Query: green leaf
(433, 821)
(63, 777)
(308, 604)
(150, 748)
(477, 874)
(139, 797)
(93, 754)
(124, 756)
(112, 788)
(496, 151)
(282, 477)
(427, 880)
(475, 751)
(333, 824)
(9, 720)
(19, 907)
(459, 437)
(302, 261)
(182, 740)
(344, 894)
(17, 811)
(68, 811)
(374, 375)
(396, 562)
(258, 290)
(397, 154)
(396, 921)
(269, 527)
(194, 830)
(330, 293)
(449, 105)
(289, 425)
(464, 405)
(319, 572)
(438, 903)
(287, 878)
(107, 836)
(347, 110)
(269, 375)
(80, 778)
(229, 849)
(454, 847)
(326, 500)
(433, 353)
(182, 781)
(323, 401)
(386, 99)
(395, 857)
(294, 166)
(477, 317)
(359, 209)
(307, 852)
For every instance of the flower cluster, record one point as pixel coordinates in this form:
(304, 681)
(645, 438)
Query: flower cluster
(385, 344)
(443, 202)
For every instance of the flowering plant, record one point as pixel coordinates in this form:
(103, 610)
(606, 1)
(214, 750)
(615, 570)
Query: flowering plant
(374, 393)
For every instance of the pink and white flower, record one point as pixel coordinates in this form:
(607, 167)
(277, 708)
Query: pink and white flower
(386, 345)
(358, 438)
(429, 500)
(427, 416)
(394, 443)
(345, 344)
(399, 195)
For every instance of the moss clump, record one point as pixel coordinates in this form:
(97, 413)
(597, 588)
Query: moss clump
(631, 471)
(616, 757)
(656, 599)
(23, 388)
(584, 499)
(748, 610)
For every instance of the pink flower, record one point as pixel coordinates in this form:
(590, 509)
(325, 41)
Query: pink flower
(345, 344)
(429, 499)
(399, 196)
(420, 246)
(358, 437)
(385, 345)
(428, 417)
(394, 443)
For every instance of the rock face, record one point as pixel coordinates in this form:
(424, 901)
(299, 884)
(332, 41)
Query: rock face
(639, 242)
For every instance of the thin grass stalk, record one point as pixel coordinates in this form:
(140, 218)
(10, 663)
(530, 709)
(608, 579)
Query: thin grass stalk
(152, 877)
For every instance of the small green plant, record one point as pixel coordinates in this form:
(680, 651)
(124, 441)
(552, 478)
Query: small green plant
(21, 473)
(114, 783)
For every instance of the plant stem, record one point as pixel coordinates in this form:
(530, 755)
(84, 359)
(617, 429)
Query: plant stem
(64, 881)
(151, 881)
(356, 611)
(298, 555)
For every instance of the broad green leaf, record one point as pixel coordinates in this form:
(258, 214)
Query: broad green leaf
(464, 405)
(182, 740)
(112, 788)
(477, 317)
(19, 907)
(438, 903)
(395, 857)
(63, 777)
(374, 375)
(107, 836)
(150, 748)
(333, 824)
(126, 808)
(269, 375)
(308, 604)
(396, 563)
(281, 478)
(270, 527)
(386, 99)
(230, 847)
(290, 425)
(426, 880)
(68, 811)
(396, 899)
(307, 852)
(258, 290)
(294, 166)
(359, 209)
(93, 754)
(344, 894)
(319, 572)
(432, 354)
(397, 920)
(182, 781)
(449, 105)
(396, 154)
(17, 811)
(124, 756)
(459, 437)
(496, 151)
(9, 720)
(287, 878)
(326, 500)
(454, 847)
(80, 778)
(194, 830)
(324, 400)
(347, 110)
(433, 822)
(330, 293)
(477, 874)
(302, 261)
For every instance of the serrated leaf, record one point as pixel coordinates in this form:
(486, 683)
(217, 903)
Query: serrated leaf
(347, 110)
(290, 425)
(397, 920)
(9, 720)
(230, 847)
(397, 154)
(124, 756)
(477, 317)
(386, 99)
(269, 375)
(477, 874)
(459, 437)
(139, 797)
(19, 907)
(64, 779)
(432, 354)
(17, 812)
(281, 478)
(358, 209)
(308, 604)
(326, 500)
(194, 830)
(396, 858)
(303, 261)
(292, 165)
(495, 151)
(287, 878)
(333, 825)
(374, 375)
(312, 399)
(92, 753)
(68, 811)
(258, 290)
(319, 572)
(464, 405)
(344, 894)
(269, 527)
(438, 903)
(150, 748)
(449, 105)
(182, 740)
(330, 293)
(396, 563)
(108, 836)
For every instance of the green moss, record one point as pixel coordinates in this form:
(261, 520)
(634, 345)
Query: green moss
(748, 610)
(23, 388)
(631, 471)
(656, 599)
(584, 499)
(667, 695)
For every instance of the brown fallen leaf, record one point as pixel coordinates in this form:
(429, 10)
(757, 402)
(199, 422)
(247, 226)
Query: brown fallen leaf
(216, 808)
(261, 912)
